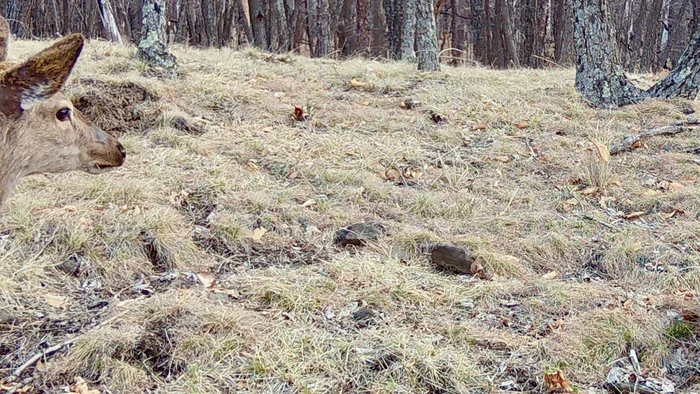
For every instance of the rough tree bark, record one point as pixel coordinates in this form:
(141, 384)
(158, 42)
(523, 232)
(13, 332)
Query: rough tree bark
(684, 80)
(324, 29)
(393, 23)
(152, 48)
(603, 84)
(408, 30)
(364, 37)
(426, 34)
(600, 82)
(257, 19)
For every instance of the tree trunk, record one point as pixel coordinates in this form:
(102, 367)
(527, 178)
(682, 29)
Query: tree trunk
(347, 32)
(209, 20)
(312, 25)
(503, 20)
(152, 48)
(604, 85)
(408, 30)
(364, 32)
(257, 19)
(109, 24)
(378, 29)
(280, 17)
(684, 80)
(426, 34)
(600, 82)
(324, 26)
(393, 23)
(244, 22)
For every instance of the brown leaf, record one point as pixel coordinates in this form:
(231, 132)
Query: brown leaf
(589, 190)
(603, 151)
(634, 215)
(556, 383)
(522, 125)
(480, 126)
(392, 174)
(357, 84)
(676, 186)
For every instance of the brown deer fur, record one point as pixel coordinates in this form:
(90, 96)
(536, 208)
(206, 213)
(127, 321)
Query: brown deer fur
(40, 130)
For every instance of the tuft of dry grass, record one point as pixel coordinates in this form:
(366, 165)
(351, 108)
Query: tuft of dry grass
(216, 242)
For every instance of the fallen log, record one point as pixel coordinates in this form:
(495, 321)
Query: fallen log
(631, 141)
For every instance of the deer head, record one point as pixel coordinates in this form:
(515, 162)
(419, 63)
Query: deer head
(40, 130)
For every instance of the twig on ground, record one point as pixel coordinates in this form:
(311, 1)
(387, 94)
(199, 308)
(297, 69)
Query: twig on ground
(46, 352)
(676, 128)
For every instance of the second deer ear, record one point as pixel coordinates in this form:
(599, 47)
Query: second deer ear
(39, 77)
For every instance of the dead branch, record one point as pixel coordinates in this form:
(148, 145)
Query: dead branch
(677, 127)
(53, 349)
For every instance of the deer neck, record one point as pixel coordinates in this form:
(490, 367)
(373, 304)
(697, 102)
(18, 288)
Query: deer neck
(11, 165)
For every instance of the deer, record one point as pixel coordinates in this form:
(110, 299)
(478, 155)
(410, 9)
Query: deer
(41, 132)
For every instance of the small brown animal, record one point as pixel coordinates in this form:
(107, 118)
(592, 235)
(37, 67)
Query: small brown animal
(40, 130)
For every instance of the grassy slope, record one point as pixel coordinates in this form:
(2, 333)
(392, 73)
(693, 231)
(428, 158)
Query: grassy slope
(280, 319)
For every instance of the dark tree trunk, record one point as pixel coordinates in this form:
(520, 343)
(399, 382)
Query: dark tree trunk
(280, 19)
(209, 19)
(684, 80)
(507, 39)
(426, 34)
(378, 23)
(347, 32)
(364, 32)
(312, 25)
(408, 30)
(393, 23)
(257, 19)
(152, 48)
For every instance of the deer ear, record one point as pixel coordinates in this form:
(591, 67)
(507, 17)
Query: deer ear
(39, 77)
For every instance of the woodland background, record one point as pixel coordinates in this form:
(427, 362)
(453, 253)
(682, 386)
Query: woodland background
(651, 34)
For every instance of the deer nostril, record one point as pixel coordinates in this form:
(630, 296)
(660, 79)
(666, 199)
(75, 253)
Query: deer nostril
(122, 150)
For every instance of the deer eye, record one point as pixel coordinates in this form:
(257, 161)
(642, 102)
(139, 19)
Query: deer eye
(63, 114)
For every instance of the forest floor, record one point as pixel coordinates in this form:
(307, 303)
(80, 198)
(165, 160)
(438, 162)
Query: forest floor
(207, 264)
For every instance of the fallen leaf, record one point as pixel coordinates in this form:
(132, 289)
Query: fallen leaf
(480, 126)
(357, 84)
(522, 125)
(556, 383)
(81, 387)
(392, 174)
(279, 95)
(258, 233)
(364, 103)
(252, 166)
(308, 203)
(676, 186)
(637, 144)
(56, 301)
(603, 151)
(207, 279)
(299, 114)
(550, 275)
(589, 190)
(634, 215)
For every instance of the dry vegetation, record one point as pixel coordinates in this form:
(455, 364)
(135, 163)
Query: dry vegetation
(576, 285)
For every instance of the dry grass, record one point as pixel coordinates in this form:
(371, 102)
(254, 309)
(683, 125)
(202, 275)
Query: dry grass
(282, 317)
